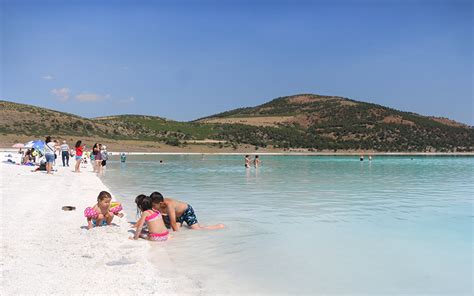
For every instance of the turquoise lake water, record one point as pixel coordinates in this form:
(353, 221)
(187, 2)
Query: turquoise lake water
(315, 224)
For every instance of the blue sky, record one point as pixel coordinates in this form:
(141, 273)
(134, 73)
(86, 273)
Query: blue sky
(188, 59)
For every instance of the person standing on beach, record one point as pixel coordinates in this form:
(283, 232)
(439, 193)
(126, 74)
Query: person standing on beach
(50, 152)
(103, 153)
(65, 153)
(72, 152)
(79, 151)
(98, 158)
(92, 156)
(56, 151)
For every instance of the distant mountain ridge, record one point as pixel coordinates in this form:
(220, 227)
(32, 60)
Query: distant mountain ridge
(310, 121)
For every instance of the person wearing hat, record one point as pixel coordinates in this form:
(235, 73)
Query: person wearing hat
(65, 153)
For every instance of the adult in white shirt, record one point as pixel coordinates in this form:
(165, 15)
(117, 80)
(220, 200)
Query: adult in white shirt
(65, 153)
(49, 149)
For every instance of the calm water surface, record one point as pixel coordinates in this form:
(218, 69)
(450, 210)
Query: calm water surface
(315, 224)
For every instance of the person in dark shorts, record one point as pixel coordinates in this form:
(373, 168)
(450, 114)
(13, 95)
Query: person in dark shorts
(188, 216)
(176, 212)
(104, 154)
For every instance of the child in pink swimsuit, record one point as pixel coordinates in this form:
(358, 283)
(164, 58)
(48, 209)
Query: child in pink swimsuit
(152, 217)
(102, 213)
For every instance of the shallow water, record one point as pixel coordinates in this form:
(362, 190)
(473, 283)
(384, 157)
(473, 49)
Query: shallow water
(315, 224)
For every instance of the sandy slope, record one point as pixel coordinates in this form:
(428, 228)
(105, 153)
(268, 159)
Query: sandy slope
(48, 251)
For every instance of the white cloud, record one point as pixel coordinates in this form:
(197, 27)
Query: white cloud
(62, 94)
(48, 77)
(91, 97)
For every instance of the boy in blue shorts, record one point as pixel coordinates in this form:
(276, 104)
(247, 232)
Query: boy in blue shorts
(176, 212)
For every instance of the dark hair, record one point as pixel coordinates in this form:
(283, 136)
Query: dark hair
(78, 144)
(48, 139)
(94, 152)
(143, 203)
(256, 156)
(103, 195)
(156, 197)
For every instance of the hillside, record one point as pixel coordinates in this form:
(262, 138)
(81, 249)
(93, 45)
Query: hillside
(329, 122)
(159, 127)
(32, 121)
(35, 121)
(306, 121)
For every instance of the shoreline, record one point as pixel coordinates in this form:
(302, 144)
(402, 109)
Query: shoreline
(365, 153)
(42, 243)
(303, 153)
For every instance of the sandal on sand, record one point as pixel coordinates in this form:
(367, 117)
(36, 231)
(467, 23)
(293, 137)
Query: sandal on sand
(69, 208)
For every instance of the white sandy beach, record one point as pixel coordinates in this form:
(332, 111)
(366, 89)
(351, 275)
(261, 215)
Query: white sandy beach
(46, 250)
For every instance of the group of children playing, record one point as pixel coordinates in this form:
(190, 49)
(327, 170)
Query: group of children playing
(158, 214)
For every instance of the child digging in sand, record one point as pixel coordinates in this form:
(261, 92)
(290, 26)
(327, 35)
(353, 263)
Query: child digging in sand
(176, 212)
(152, 217)
(102, 213)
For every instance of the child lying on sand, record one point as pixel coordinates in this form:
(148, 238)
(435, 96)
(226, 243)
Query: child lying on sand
(176, 212)
(102, 213)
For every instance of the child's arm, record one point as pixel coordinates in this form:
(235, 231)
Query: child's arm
(172, 216)
(116, 210)
(139, 225)
(89, 223)
(91, 213)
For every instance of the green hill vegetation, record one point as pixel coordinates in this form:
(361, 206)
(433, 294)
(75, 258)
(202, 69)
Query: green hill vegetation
(313, 122)
(336, 123)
